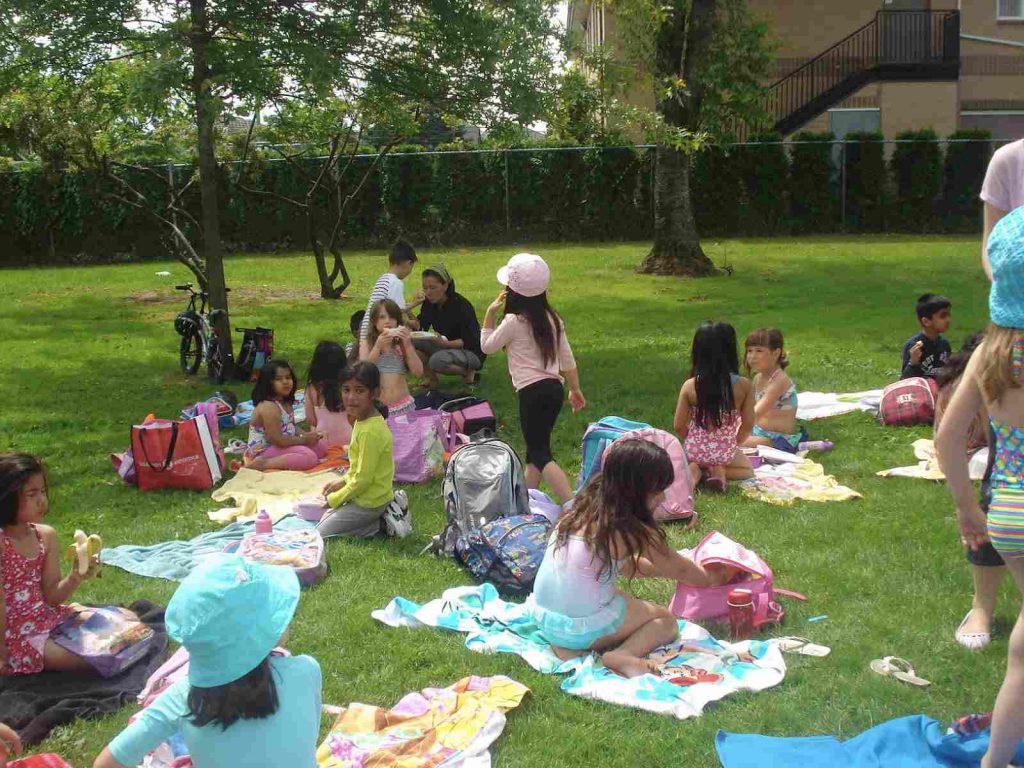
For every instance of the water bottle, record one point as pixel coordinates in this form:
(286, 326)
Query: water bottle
(741, 614)
(816, 445)
(263, 522)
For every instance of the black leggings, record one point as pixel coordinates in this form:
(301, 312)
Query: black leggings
(539, 406)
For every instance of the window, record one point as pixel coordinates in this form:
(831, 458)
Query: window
(1010, 9)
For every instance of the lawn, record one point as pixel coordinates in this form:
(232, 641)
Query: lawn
(89, 350)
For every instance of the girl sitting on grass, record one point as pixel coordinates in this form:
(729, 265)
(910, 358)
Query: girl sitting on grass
(388, 346)
(325, 412)
(31, 601)
(775, 400)
(715, 412)
(363, 503)
(610, 531)
(275, 441)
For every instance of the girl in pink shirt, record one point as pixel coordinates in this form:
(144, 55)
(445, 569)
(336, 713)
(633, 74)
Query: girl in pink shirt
(533, 336)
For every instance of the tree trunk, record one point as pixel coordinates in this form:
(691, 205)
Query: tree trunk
(682, 45)
(676, 248)
(205, 116)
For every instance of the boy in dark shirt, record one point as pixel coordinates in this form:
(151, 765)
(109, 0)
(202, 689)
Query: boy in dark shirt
(927, 351)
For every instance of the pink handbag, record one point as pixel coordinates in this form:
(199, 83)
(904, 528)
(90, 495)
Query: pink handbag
(418, 442)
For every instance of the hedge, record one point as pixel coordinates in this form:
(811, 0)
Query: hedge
(458, 197)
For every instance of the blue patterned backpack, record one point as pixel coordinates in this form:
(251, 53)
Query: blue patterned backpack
(507, 552)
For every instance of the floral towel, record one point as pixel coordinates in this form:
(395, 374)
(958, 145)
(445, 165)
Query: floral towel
(784, 484)
(453, 726)
(697, 669)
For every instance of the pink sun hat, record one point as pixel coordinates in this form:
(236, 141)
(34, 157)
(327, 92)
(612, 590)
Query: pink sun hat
(526, 273)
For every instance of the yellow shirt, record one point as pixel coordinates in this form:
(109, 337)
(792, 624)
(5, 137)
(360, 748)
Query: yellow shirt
(371, 470)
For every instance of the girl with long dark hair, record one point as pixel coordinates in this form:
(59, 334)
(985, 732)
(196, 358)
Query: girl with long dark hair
(533, 336)
(715, 411)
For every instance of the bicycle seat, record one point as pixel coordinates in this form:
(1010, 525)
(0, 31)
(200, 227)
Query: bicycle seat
(185, 287)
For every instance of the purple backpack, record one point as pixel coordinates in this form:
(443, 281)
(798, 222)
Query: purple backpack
(108, 637)
(418, 442)
(678, 504)
(696, 603)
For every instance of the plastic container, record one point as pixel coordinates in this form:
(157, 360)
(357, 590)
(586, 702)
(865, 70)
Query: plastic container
(310, 510)
(741, 614)
(263, 522)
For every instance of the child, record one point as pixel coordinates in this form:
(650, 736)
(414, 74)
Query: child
(948, 378)
(715, 412)
(355, 323)
(240, 705)
(775, 400)
(31, 602)
(994, 379)
(610, 531)
(363, 502)
(390, 286)
(388, 345)
(534, 336)
(274, 440)
(325, 412)
(927, 351)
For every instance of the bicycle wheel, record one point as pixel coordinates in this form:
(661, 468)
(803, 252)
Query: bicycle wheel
(218, 365)
(191, 351)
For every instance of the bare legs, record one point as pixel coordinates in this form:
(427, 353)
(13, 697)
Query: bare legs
(646, 626)
(553, 475)
(58, 659)
(986, 590)
(1008, 713)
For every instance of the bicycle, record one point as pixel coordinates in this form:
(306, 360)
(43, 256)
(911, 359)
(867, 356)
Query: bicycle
(200, 341)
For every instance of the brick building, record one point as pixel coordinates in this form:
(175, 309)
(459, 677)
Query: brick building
(888, 65)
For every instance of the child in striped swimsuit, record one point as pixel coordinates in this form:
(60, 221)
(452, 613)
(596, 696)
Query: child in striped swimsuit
(388, 345)
(995, 379)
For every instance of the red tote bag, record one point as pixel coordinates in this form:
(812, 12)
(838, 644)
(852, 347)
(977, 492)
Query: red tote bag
(176, 454)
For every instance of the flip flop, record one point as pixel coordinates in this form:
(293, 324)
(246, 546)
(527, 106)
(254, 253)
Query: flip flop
(972, 641)
(901, 669)
(802, 646)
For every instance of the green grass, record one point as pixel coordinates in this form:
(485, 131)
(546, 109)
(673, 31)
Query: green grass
(85, 357)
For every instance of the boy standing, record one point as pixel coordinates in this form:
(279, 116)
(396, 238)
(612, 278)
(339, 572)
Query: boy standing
(390, 285)
(927, 351)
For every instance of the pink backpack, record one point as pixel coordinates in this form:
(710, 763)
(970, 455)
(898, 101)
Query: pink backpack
(678, 504)
(908, 402)
(695, 603)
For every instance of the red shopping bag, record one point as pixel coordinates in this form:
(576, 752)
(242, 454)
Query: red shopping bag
(48, 760)
(177, 454)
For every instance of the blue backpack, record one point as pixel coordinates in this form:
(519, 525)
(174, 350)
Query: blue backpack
(507, 552)
(599, 436)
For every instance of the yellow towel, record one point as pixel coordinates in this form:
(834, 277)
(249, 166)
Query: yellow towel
(276, 492)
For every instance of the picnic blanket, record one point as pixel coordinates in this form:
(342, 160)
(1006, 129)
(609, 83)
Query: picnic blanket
(704, 669)
(174, 560)
(36, 704)
(801, 479)
(916, 741)
(927, 467)
(275, 492)
(821, 405)
(453, 727)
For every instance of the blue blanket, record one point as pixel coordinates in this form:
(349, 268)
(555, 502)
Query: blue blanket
(174, 560)
(698, 669)
(908, 742)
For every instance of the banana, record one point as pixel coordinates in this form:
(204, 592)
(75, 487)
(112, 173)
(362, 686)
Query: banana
(83, 550)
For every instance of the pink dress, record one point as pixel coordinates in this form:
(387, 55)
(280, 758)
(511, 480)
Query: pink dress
(714, 447)
(29, 619)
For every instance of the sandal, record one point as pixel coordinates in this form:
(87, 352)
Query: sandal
(802, 646)
(972, 641)
(901, 669)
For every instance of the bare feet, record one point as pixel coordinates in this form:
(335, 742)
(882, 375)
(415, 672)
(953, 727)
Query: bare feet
(626, 665)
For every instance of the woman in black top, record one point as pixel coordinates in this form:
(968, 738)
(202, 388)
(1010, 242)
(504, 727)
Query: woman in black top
(455, 350)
